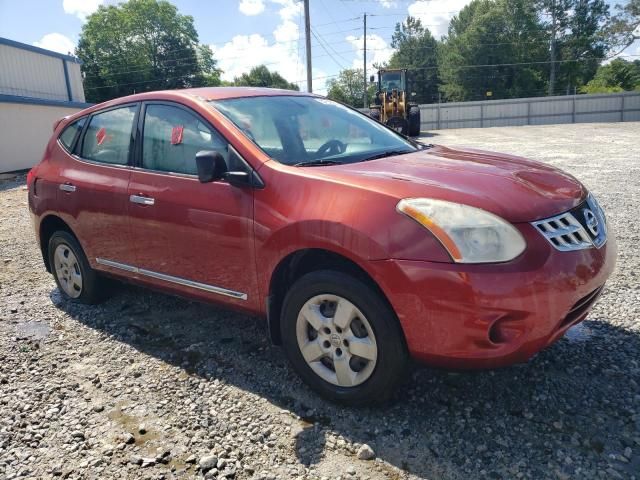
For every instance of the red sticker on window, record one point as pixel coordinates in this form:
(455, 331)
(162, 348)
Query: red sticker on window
(176, 135)
(101, 135)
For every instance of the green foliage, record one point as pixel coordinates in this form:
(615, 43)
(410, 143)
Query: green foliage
(618, 76)
(488, 32)
(417, 50)
(260, 76)
(581, 44)
(348, 88)
(142, 45)
(620, 30)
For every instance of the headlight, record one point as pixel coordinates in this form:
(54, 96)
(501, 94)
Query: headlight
(469, 234)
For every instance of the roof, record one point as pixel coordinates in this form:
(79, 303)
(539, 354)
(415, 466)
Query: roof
(201, 94)
(221, 93)
(42, 51)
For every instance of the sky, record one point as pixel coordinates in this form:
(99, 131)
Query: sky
(246, 33)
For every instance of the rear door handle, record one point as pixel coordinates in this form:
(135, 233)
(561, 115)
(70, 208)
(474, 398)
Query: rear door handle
(141, 200)
(67, 187)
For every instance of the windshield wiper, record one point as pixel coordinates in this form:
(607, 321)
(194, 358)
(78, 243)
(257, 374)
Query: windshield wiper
(388, 153)
(315, 163)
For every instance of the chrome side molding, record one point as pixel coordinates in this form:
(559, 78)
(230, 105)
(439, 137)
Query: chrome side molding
(171, 279)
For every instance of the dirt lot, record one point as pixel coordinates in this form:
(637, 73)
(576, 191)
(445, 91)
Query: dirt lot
(149, 386)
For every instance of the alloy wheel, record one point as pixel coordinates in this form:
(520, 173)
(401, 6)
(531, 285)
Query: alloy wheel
(336, 340)
(68, 271)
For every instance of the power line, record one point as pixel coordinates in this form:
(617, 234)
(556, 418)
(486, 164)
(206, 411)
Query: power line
(191, 64)
(193, 48)
(409, 68)
(324, 48)
(339, 21)
(586, 59)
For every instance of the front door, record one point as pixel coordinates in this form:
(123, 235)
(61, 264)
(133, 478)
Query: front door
(190, 236)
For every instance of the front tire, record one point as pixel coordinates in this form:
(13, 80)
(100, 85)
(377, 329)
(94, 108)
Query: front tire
(343, 339)
(75, 278)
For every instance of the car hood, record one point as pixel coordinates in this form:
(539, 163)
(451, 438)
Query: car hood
(517, 189)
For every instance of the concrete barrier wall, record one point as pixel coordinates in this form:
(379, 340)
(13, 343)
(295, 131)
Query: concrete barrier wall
(614, 107)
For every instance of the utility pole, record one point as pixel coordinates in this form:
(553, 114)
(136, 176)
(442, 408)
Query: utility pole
(364, 95)
(307, 31)
(554, 26)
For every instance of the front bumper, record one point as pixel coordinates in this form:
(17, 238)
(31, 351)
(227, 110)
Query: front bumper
(485, 316)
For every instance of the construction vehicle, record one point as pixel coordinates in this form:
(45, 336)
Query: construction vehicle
(392, 105)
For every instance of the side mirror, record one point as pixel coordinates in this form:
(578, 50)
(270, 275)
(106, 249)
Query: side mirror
(211, 166)
(372, 79)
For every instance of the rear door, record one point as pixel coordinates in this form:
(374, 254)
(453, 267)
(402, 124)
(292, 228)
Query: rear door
(190, 236)
(94, 183)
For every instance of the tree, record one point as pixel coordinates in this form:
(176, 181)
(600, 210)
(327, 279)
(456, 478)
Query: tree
(348, 87)
(417, 50)
(624, 27)
(618, 76)
(556, 14)
(493, 49)
(582, 45)
(260, 76)
(142, 45)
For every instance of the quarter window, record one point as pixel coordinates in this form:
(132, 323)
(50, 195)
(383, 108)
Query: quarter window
(108, 138)
(173, 136)
(68, 135)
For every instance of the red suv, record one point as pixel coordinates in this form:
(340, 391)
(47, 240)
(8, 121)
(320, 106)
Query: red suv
(360, 247)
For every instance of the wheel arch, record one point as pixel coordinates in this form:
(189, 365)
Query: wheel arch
(48, 226)
(303, 261)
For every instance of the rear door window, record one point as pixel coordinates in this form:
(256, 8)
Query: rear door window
(108, 137)
(172, 137)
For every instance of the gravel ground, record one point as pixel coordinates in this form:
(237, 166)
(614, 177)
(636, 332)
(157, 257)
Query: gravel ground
(150, 386)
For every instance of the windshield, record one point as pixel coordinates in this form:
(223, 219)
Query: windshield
(297, 130)
(391, 81)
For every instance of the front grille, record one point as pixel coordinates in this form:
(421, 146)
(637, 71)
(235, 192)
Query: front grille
(582, 227)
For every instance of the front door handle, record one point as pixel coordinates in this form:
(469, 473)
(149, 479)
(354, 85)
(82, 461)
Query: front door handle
(67, 187)
(141, 200)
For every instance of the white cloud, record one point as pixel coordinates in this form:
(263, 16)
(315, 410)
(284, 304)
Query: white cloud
(436, 14)
(251, 7)
(244, 52)
(56, 42)
(378, 51)
(81, 8)
(387, 3)
(287, 31)
(290, 8)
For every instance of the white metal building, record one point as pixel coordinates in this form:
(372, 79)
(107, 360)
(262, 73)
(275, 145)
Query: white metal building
(37, 87)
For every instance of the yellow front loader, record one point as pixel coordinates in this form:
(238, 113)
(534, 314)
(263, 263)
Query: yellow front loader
(392, 106)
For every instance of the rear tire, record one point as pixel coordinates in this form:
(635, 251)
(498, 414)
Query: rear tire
(354, 349)
(75, 278)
